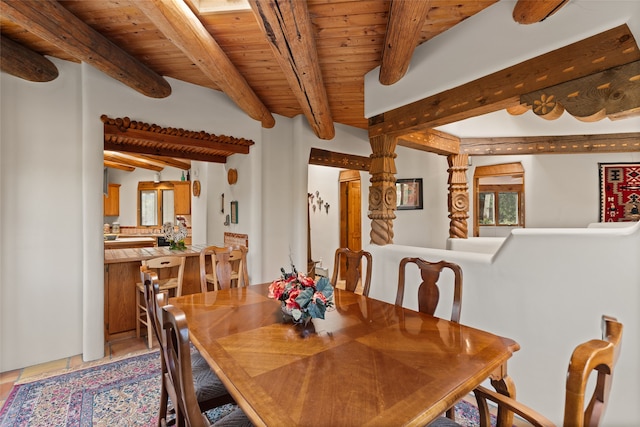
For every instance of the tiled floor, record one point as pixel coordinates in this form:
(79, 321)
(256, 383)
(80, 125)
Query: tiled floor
(112, 350)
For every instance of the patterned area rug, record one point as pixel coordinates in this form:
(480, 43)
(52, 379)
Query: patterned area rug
(124, 392)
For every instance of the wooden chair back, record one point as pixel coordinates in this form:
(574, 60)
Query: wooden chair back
(428, 291)
(240, 271)
(179, 372)
(155, 300)
(228, 264)
(598, 356)
(593, 357)
(164, 267)
(352, 269)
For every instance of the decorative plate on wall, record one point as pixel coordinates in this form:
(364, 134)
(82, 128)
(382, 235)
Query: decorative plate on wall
(232, 176)
(196, 188)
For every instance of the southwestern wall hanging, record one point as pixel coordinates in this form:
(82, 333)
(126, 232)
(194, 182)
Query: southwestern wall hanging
(619, 192)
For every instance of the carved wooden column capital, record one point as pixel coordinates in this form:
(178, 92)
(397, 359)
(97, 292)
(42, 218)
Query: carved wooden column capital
(382, 193)
(458, 200)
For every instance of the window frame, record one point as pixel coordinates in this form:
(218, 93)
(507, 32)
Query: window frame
(502, 170)
(159, 187)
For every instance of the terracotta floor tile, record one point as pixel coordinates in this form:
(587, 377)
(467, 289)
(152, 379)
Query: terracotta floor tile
(43, 368)
(9, 376)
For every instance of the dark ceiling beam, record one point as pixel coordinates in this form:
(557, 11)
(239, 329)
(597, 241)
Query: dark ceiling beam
(21, 62)
(566, 144)
(289, 31)
(180, 25)
(532, 11)
(503, 89)
(406, 19)
(50, 21)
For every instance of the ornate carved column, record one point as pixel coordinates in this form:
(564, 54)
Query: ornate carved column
(382, 193)
(458, 196)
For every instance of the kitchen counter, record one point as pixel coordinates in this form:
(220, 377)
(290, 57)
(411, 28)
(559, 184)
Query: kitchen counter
(130, 242)
(112, 256)
(122, 272)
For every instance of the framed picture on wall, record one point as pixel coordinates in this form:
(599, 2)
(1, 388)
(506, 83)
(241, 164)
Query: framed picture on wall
(409, 193)
(234, 212)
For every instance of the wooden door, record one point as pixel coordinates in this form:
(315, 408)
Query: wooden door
(350, 213)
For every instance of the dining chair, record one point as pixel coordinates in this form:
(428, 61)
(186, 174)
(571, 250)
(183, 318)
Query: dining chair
(170, 270)
(179, 382)
(429, 292)
(352, 269)
(228, 267)
(209, 389)
(597, 356)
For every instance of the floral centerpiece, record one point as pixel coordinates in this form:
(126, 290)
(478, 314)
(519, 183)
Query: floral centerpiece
(175, 238)
(302, 297)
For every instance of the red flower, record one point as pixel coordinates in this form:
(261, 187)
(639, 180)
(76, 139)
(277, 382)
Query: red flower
(319, 296)
(291, 301)
(276, 289)
(306, 281)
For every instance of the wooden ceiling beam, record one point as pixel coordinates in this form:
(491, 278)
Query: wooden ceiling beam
(532, 11)
(404, 27)
(289, 31)
(503, 89)
(338, 160)
(116, 165)
(24, 63)
(50, 21)
(567, 144)
(117, 158)
(162, 151)
(167, 161)
(432, 141)
(609, 93)
(181, 26)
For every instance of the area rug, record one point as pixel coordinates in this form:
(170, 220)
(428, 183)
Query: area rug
(619, 192)
(124, 392)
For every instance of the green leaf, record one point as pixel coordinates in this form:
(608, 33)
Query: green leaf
(317, 310)
(304, 297)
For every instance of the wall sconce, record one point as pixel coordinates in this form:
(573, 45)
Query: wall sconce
(156, 177)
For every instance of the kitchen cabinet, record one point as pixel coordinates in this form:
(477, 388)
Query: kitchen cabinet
(112, 201)
(182, 197)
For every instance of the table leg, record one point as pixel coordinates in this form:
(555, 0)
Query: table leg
(504, 385)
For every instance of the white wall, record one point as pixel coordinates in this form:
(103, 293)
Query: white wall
(41, 218)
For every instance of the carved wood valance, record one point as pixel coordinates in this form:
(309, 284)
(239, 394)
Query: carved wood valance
(126, 135)
(338, 160)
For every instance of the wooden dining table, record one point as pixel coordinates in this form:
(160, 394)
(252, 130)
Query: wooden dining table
(367, 363)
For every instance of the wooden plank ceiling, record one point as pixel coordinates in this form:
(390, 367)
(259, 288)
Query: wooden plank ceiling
(272, 57)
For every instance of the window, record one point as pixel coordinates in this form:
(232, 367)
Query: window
(502, 206)
(155, 204)
(499, 199)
